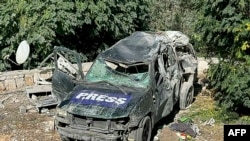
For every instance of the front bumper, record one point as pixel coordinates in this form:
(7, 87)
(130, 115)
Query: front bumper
(99, 131)
(85, 135)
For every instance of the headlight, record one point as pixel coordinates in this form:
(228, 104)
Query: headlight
(61, 112)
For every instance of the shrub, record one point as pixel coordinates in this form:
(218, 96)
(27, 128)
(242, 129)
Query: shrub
(231, 82)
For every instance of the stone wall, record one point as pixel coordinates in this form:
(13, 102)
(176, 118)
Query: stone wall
(19, 79)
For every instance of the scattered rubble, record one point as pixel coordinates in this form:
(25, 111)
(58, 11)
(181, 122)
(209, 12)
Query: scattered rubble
(1, 101)
(22, 109)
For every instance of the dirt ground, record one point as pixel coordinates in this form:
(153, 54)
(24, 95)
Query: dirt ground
(20, 121)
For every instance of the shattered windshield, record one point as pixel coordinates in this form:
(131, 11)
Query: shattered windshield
(119, 74)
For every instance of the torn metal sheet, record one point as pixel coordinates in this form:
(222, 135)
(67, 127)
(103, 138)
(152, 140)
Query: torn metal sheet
(128, 88)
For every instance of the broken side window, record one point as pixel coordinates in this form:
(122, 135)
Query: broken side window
(135, 75)
(187, 59)
(67, 63)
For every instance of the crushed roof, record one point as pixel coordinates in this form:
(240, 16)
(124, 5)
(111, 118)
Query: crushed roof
(141, 46)
(134, 48)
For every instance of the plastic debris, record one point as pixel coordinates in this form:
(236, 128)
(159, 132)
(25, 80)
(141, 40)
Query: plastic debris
(182, 127)
(185, 119)
(196, 129)
(186, 125)
(210, 122)
(182, 136)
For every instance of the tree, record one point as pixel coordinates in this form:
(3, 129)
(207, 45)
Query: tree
(180, 15)
(38, 23)
(225, 27)
(225, 30)
(86, 26)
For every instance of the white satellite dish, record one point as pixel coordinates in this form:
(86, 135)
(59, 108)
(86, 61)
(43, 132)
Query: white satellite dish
(22, 52)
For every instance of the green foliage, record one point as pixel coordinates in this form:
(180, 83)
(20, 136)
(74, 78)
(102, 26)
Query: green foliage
(170, 15)
(178, 15)
(224, 28)
(107, 21)
(86, 26)
(232, 83)
(38, 23)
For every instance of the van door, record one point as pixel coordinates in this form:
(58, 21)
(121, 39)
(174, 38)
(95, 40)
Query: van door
(68, 71)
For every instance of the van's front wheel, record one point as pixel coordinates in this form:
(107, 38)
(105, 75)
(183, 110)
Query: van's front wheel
(186, 95)
(143, 133)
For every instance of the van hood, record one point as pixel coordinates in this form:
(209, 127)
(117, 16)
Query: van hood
(102, 102)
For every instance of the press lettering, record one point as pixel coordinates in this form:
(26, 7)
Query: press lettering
(121, 101)
(82, 95)
(101, 97)
(92, 96)
(111, 99)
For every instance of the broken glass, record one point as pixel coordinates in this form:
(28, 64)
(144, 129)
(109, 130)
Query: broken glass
(135, 75)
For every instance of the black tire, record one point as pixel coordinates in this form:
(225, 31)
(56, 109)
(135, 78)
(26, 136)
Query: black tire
(143, 133)
(187, 95)
(196, 76)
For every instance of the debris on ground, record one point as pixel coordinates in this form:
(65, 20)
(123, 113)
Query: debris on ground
(22, 109)
(185, 128)
(210, 122)
(1, 101)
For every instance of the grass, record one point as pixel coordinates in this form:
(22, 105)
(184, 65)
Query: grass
(203, 109)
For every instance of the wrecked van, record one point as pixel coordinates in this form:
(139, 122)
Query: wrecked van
(128, 88)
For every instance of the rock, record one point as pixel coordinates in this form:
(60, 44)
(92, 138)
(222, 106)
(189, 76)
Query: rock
(32, 111)
(33, 97)
(48, 126)
(10, 84)
(156, 138)
(22, 109)
(20, 82)
(2, 87)
(44, 110)
(28, 107)
(15, 100)
(28, 80)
